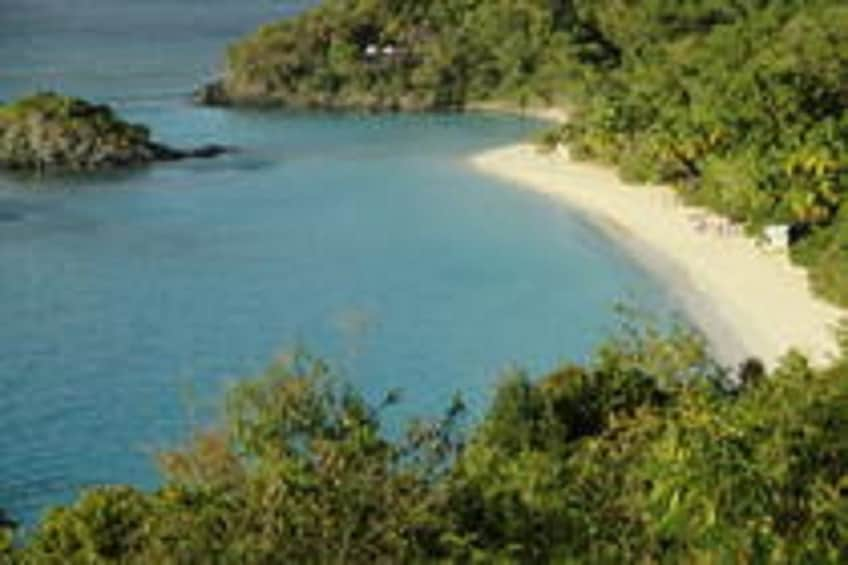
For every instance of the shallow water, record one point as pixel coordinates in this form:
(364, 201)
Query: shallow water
(130, 300)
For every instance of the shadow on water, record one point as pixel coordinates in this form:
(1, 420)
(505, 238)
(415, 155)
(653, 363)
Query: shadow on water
(9, 216)
(59, 182)
(66, 181)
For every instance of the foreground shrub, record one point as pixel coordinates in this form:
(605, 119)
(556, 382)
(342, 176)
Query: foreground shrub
(650, 453)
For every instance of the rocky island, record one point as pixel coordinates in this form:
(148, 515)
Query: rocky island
(49, 131)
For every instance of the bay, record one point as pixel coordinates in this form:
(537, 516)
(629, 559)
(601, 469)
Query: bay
(130, 301)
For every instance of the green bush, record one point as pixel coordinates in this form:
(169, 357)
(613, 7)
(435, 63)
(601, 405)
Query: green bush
(650, 453)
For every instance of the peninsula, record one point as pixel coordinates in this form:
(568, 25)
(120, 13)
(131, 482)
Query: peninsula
(50, 132)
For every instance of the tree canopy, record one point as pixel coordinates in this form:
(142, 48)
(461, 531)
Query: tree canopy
(650, 453)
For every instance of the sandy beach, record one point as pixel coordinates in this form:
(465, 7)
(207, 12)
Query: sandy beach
(748, 301)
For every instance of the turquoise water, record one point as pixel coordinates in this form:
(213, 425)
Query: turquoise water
(130, 300)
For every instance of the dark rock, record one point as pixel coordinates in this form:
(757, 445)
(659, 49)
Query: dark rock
(212, 94)
(165, 153)
(208, 151)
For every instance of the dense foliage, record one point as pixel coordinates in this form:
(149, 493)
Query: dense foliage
(49, 131)
(651, 453)
(397, 54)
(740, 104)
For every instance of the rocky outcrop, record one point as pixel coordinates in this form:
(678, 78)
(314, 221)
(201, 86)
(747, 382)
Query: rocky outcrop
(212, 94)
(53, 132)
(164, 153)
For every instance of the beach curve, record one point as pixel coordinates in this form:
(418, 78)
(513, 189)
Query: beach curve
(747, 300)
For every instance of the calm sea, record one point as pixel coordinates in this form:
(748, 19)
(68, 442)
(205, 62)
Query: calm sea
(129, 301)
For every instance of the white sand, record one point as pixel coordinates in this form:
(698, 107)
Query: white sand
(746, 299)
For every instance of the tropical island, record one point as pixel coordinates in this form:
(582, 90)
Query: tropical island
(651, 451)
(50, 132)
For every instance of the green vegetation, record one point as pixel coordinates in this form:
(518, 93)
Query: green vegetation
(7, 528)
(398, 54)
(52, 132)
(741, 105)
(48, 131)
(651, 453)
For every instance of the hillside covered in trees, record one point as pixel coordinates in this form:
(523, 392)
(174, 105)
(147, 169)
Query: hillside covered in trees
(651, 453)
(741, 105)
(398, 54)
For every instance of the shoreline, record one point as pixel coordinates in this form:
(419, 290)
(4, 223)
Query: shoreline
(748, 301)
(551, 114)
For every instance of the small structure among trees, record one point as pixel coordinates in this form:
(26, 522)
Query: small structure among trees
(389, 51)
(778, 237)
